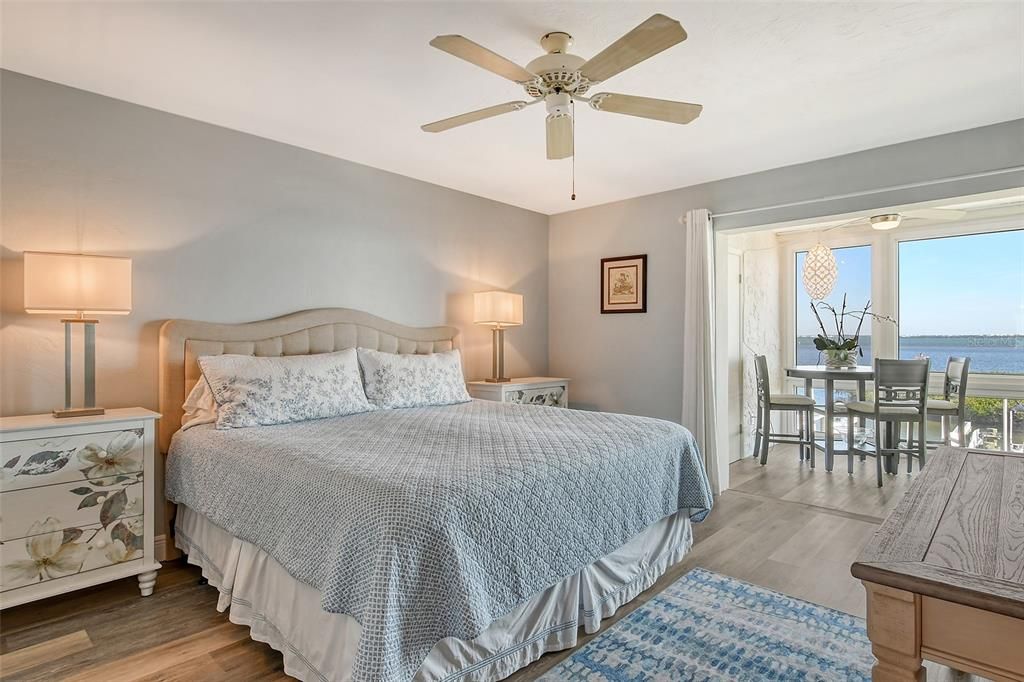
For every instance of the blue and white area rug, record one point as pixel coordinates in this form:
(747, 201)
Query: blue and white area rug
(707, 626)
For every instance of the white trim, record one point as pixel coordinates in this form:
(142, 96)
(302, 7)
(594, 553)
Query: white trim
(164, 550)
(721, 359)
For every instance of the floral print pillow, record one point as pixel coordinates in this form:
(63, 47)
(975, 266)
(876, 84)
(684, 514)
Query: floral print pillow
(394, 380)
(259, 391)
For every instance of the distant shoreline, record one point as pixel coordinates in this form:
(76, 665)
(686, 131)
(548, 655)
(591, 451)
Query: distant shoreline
(979, 340)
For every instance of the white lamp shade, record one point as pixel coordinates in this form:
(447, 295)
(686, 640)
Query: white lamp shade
(820, 272)
(69, 283)
(498, 308)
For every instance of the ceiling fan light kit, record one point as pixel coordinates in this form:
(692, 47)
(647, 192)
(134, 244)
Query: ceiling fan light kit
(886, 221)
(559, 78)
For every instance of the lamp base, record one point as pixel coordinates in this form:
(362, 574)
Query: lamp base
(78, 412)
(497, 380)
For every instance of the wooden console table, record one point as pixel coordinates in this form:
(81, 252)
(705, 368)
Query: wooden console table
(944, 573)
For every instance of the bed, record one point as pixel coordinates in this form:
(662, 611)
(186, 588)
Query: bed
(457, 542)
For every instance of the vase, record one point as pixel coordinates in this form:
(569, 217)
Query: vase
(835, 358)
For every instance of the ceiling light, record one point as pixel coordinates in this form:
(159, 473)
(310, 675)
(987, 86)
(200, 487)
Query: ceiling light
(887, 221)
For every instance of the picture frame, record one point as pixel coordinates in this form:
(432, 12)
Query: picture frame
(624, 284)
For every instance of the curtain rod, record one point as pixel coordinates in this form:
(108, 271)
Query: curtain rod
(868, 192)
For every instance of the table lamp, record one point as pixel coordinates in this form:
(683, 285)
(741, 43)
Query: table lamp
(78, 286)
(498, 309)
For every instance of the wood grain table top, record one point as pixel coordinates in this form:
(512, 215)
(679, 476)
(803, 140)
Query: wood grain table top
(957, 534)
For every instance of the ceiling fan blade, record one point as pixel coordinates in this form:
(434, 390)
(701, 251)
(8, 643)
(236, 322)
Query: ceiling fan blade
(935, 213)
(464, 48)
(646, 107)
(559, 134)
(646, 40)
(470, 117)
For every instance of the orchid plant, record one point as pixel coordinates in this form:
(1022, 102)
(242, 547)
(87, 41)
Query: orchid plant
(839, 342)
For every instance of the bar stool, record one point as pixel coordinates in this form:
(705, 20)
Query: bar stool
(767, 402)
(954, 400)
(901, 396)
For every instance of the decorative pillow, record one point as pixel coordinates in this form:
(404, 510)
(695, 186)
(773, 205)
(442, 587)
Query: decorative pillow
(200, 406)
(394, 380)
(252, 391)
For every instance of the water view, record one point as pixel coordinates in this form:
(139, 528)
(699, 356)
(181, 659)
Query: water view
(988, 354)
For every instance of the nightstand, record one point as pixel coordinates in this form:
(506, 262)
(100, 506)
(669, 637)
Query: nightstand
(77, 501)
(553, 391)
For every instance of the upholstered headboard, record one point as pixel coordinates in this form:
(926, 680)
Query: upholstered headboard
(311, 331)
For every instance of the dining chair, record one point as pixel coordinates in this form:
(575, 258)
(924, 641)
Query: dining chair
(954, 401)
(901, 397)
(768, 402)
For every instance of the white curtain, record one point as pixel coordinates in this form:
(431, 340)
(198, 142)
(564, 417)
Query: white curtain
(698, 338)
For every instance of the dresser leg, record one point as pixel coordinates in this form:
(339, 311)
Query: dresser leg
(146, 583)
(894, 628)
(892, 666)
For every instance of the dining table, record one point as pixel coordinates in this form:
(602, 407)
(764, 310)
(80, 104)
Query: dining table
(830, 375)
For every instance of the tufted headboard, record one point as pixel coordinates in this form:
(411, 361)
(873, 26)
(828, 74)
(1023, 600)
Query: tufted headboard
(311, 331)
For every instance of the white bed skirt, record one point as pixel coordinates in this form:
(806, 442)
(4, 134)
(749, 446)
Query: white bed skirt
(286, 614)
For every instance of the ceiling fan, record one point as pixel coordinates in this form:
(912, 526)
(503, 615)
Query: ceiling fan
(890, 221)
(559, 78)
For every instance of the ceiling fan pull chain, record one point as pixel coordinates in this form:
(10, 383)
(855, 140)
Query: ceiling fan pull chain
(572, 107)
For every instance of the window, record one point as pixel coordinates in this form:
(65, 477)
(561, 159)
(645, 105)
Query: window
(964, 296)
(855, 281)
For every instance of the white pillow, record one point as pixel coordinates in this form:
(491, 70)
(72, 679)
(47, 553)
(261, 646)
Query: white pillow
(394, 380)
(200, 407)
(252, 391)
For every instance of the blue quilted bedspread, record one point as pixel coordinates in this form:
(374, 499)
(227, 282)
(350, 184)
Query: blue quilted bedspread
(428, 523)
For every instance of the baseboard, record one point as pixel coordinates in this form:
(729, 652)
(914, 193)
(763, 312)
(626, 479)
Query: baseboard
(164, 550)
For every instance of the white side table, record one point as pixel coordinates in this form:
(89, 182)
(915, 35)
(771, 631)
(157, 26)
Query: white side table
(551, 391)
(77, 501)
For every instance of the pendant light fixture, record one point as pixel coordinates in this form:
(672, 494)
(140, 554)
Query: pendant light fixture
(820, 272)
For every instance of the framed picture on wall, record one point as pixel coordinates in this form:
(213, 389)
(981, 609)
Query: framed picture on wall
(624, 284)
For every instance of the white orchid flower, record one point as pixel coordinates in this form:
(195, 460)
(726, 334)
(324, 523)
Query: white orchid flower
(50, 556)
(114, 460)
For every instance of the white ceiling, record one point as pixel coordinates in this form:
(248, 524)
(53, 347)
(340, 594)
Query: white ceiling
(781, 82)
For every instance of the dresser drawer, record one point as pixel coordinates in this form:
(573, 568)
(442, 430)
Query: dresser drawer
(59, 554)
(51, 459)
(554, 396)
(71, 505)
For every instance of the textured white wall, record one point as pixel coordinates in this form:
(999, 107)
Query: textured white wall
(228, 227)
(761, 319)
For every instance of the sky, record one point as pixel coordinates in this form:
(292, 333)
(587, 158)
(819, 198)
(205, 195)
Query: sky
(971, 284)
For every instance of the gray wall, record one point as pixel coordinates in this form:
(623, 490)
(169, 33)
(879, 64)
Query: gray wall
(224, 226)
(632, 363)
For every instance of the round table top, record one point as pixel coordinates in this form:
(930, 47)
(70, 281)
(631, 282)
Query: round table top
(860, 372)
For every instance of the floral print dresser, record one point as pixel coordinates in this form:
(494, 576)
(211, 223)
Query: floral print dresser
(550, 391)
(76, 503)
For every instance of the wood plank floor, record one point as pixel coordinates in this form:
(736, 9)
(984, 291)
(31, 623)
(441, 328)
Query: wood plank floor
(783, 526)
